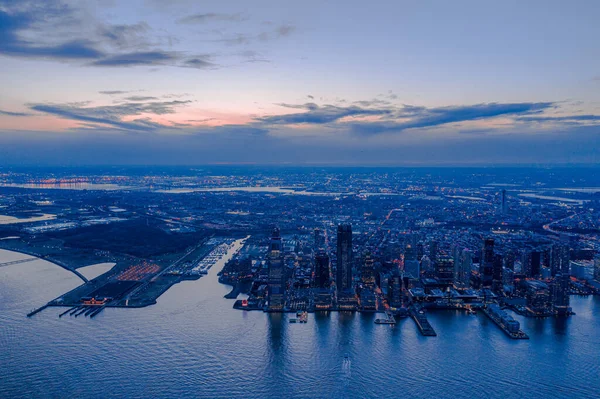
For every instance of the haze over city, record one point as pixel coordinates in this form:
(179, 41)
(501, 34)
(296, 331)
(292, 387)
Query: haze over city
(312, 82)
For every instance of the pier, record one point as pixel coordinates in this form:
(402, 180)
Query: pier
(36, 310)
(510, 326)
(422, 323)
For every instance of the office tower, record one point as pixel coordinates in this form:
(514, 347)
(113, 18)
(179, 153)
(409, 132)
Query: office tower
(322, 270)
(444, 269)
(462, 275)
(276, 273)
(344, 258)
(368, 271)
(497, 282)
(597, 269)
(504, 203)
(420, 250)
(410, 253)
(486, 264)
(395, 290)
(536, 263)
(560, 294)
(425, 264)
(319, 239)
(412, 268)
(526, 264)
(559, 259)
(433, 251)
(275, 244)
(509, 261)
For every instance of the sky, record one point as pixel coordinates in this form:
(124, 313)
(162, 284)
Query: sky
(419, 82)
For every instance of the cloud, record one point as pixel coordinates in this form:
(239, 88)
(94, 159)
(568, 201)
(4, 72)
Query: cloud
(242, 38)
(141, 98)
(113, 92)
(125, 36)
(113, 115)
(200, 63)
(315, 114)
(422, 117)
(137, 59)
(10, 113)
(565, 118)
(12, 24)
(211, 17)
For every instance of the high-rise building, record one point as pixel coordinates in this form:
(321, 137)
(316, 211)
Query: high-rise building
(503, 203)
(368, 271)
(433, 251)
(559, 259)
(531, 263)
(322, 273)
(395, 290)
(497, 281)
(344, 258)
(276, 273)
(486, 264)
(509, 260)
(444, 269)
(319, 238)
(412, 267)
(462, 275)
(560, 294)
(425, 264)
(526, 264)
(536, 263)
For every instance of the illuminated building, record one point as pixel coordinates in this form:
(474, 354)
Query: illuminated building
(344, 258)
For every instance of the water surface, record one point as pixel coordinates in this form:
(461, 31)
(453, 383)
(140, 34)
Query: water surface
(193, 344)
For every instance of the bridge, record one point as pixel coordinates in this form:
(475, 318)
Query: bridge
(44, 257)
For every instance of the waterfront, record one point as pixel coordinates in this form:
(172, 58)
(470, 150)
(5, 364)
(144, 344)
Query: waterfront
(193, 344)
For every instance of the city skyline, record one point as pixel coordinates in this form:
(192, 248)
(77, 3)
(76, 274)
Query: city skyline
(402, 83)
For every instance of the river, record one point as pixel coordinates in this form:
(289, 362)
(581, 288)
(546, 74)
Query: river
(193, 344)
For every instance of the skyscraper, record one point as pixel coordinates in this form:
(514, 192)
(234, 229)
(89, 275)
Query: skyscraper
(560, 294)
(497, 281)
(411, 264)
(462, 276)
(344, 258)
(319, 239)
(433, 251)
(322, 270)
(486, 264)
(559, 259)
(444, 269)
(536, 263)
(503, 203)
(368, 271)
(276, 273)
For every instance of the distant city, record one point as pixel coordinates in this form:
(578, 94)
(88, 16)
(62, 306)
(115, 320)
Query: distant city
(398, 242)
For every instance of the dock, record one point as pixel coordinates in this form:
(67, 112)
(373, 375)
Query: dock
(37, 310)
(422, 323)
(518, 334)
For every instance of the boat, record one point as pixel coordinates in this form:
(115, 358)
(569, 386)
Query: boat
(385, 321)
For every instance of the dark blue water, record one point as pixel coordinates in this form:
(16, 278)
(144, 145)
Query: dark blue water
(193, 344)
